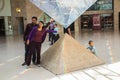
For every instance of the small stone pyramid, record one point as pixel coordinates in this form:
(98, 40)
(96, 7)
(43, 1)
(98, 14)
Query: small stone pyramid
(68, 55)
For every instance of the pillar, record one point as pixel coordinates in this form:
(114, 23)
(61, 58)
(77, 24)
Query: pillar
(77, 27)
(116, 14)
(8, 30)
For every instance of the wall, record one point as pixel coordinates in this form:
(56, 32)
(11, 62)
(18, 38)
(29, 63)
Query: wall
(27, 11)
(32, 10)
(6, 11)
(17, 4)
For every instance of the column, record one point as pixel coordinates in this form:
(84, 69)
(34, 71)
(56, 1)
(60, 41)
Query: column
(8, 28)
(116, 14)
(6, 25)
(77, 27)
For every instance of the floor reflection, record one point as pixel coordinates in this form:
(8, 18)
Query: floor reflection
(107, 43)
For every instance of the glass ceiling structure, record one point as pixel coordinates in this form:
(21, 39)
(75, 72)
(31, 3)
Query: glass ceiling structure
(64, 11)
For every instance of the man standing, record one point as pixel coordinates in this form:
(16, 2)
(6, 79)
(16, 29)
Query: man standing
(28, 29)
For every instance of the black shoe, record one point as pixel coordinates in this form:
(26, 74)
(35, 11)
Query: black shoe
(24, 64)
(51, 44)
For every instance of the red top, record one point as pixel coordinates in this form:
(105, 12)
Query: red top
(38, 36)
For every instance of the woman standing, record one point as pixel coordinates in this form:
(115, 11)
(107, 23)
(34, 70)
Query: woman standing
(35, 39)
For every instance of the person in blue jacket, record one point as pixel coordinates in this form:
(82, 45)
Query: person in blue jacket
(92, 47)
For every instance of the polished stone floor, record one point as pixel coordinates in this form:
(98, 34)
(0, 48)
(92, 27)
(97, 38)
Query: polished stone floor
(107, 44)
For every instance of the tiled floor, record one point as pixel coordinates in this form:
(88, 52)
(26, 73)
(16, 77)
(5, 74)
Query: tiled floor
(107, 44)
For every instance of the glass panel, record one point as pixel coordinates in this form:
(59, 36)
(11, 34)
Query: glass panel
(44, 17)
(102, 5)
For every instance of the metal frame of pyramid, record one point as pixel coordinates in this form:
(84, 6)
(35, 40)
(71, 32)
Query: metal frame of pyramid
(68, 55)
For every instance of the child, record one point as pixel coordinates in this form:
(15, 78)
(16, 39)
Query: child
(92, 47)
(55, 36)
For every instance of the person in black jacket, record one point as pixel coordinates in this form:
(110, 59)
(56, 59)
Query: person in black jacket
(28, 29)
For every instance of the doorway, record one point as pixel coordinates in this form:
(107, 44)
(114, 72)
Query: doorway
(86, 22)
(72, 27)
(20, 25)
(2, 26)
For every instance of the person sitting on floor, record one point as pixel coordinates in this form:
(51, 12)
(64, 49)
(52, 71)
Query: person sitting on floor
(92, 47)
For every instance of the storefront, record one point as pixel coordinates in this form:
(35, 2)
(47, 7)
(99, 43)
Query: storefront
(98, 16)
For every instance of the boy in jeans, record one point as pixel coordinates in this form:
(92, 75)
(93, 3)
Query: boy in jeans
(92, 47)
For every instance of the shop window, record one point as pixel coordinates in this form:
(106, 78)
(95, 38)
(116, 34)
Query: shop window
(107, 20)
(86, 21)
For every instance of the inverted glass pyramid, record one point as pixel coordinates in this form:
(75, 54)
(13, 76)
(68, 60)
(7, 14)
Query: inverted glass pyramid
(64, 11)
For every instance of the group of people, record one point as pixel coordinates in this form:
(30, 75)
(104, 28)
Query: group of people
(34, 36)
(53, 37)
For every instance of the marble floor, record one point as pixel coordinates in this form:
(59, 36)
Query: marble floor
(107, 44)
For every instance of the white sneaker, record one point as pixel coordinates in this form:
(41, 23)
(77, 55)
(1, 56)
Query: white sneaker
(27, 67)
